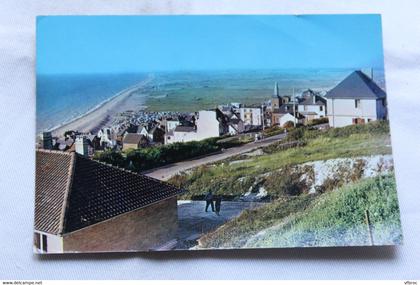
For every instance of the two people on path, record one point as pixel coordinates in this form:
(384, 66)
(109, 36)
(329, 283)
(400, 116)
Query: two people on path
(214, 202)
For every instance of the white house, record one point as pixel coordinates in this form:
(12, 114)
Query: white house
(181, 134)
(356, 100)
(283, 119)
(312, 106)
(143, 130)
(251, 116)
(105, 136)
(208, 124)
(172, 124)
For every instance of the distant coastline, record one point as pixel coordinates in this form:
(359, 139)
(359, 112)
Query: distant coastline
(178, 92)
(101, 114)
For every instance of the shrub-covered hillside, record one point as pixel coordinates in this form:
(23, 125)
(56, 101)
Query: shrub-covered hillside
(273, 169)
(334, 218)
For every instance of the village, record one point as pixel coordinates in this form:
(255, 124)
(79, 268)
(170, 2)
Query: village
(85, 205)
(356, 100)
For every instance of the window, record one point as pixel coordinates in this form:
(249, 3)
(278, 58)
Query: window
(357, 103)
(40, 242)
(358, 121)
(37, 240)
(305, 108)
(44, 243)
(321, 108)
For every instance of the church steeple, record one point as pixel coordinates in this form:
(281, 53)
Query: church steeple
(276, 90)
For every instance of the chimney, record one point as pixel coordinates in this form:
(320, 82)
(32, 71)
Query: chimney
(47, 140)
(82, 146)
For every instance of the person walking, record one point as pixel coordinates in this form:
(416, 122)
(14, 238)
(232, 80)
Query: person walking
(217, 204)
(209, 201)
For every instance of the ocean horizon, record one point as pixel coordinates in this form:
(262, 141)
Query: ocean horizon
(63, 98)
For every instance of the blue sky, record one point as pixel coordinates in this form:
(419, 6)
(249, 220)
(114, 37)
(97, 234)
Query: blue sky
(116, 44)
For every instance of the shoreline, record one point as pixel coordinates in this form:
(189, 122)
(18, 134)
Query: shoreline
(101, 114)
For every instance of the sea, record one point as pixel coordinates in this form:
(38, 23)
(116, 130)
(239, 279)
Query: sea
(62, 98)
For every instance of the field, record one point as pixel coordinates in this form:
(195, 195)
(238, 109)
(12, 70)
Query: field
(189, 92)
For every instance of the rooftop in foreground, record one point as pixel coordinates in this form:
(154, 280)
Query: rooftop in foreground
(73, 192)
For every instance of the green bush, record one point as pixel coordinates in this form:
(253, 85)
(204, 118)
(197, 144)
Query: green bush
(151, 157)
(319, 121)
(288, 125)
(272, 131)
(111, 157)
(305, 134)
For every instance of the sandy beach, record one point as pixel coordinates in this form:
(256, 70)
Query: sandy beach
(97, 118)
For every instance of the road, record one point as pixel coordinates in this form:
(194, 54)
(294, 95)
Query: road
(167, 171)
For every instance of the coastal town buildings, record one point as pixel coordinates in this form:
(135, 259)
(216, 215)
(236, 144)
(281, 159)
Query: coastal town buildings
(183, 134)
(171, 124)
(285, 107)
(153, 132)
(82, 205)
(133, 141)
(296, 118)
(82, 146)
(251, 116)
(209, 123)
(105, 137)
(356, 100)
(312, 105)
(235, 124)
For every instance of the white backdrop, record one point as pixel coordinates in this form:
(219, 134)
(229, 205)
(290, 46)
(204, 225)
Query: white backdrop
(401, 25)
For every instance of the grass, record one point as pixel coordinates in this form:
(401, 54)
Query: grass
(338, 218)
(330, 219)
(235, 179)
(194, 99)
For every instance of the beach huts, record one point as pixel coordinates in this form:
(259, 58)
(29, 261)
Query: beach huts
(356, 100)
(83, 205)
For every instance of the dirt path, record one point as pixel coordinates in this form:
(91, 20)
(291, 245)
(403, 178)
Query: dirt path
(167, 171)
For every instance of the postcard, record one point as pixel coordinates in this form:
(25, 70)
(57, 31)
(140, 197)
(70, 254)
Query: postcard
(158, 133)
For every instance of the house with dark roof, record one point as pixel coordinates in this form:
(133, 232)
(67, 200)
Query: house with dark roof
(356, 100)
(235, 124)
(280, 111)
(82, 205)
(134, 141)
(312, 105)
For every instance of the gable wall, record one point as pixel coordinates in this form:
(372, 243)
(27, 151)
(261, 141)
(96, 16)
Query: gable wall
(139, 230)
(342, 111)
